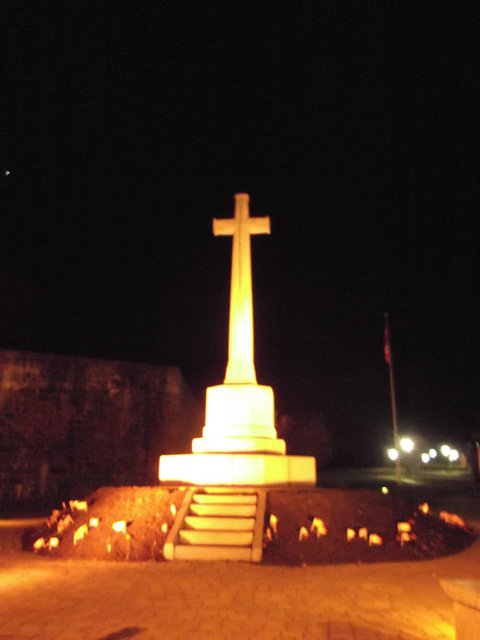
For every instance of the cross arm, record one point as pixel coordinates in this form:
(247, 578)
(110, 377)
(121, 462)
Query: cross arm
(224, 227)
(259, 225)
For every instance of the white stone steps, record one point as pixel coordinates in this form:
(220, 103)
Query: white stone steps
(198, 552)
(224, 498)
(216, 538)
(231, 490)
(219, 523)
(234, 510)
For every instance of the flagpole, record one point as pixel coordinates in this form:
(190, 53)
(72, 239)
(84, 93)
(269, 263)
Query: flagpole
(388, 359)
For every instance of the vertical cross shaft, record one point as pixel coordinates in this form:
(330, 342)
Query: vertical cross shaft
(240, 367)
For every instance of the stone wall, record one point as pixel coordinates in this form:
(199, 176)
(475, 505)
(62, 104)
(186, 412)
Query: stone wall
(71, 424)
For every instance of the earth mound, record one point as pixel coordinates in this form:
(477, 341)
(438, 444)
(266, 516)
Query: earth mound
(131, 524)
(361, 526)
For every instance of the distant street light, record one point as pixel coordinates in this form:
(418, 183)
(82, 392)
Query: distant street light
(432, 453)
(392, 454)
(407, 444)
(445, 449)
(425, 458)
(454, 455)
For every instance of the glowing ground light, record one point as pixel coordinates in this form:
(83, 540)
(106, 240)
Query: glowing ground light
(80, 533)
(432, 453)
(319, 527)
(425, 458)
(454, 455)
(120, 526)
(392, 454)
(273, 523)
(385, 490)
(53, 543)
(302, 534)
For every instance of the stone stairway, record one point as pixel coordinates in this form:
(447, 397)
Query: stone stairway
(218, 524)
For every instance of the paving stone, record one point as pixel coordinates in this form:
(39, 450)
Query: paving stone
(90, 600)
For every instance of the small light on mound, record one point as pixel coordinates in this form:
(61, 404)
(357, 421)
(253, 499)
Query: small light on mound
(173, 510)
(120, 526)
(39, 544)
(375, 540)
(93, 523)
(53, 518)
(351, 534)
(424, 507)
(319, 527)
(403, 526)
(78, 505)
(273, 523)
(406, 536)
(302, 534)
(63, 525)
(80, 533)
(363, 533)
(53, 543)
(164, 527)
(452, 518)
(385, 490)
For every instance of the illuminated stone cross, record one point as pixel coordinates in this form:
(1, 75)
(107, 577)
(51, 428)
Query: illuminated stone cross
(240, 367)
(239, 444)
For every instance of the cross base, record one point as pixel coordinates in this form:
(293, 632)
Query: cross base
(235, 469)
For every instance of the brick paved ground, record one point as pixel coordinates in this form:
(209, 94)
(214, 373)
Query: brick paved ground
(42, 599)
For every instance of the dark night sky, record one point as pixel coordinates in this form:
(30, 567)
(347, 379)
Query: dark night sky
(128, 126)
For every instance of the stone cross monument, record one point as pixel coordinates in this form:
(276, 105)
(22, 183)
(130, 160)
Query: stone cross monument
(239, 444)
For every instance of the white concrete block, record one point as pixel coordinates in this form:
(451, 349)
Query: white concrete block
(217, 538)
(211, 523)
(225, 498)
(233, 510)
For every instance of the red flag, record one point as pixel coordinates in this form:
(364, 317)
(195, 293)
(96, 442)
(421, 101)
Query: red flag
(388, 357)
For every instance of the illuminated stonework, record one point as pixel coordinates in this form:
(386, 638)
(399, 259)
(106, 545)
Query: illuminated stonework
(239, 444)
(240, 368)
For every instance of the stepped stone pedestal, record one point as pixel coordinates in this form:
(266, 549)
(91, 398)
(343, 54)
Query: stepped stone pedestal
(239, 445)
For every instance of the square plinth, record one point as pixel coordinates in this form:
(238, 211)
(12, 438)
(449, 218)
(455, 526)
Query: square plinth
(231, 469)
(239, 411)
(239, 445)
